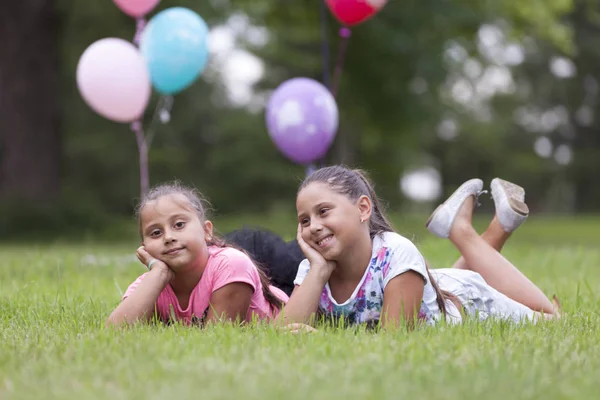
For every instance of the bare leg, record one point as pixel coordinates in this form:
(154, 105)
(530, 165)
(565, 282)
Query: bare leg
(497, 271)
(494, 235)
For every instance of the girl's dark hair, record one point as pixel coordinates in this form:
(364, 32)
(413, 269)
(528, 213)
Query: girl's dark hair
(354, 183)
(280, 258)
(200, 205)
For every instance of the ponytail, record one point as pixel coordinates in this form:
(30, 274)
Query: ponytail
(378, 223)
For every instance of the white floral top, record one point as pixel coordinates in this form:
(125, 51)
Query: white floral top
(392, 255)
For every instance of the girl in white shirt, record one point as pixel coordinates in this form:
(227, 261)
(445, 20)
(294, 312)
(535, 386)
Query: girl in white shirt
(357, 268)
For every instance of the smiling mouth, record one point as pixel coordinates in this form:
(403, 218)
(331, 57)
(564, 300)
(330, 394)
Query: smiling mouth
(173, 251)
(325, 241)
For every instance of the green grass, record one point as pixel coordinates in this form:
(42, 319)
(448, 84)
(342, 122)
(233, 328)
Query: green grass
(54, 300)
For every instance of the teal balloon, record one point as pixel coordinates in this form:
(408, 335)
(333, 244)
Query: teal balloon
(175, 47)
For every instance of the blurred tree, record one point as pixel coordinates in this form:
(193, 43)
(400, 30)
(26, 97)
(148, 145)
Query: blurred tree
(30, 137)
(424, 83)
(393, 94)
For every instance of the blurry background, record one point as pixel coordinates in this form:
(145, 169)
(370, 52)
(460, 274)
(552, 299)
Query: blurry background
(433, 92)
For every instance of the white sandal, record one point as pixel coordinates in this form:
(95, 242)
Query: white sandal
(440, 222)
(509, 200)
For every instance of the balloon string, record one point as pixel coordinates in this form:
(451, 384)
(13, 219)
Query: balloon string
(143, 150)
(325, 56)
(162, 112)
(140, 24)
(136, 126)
(155, 115)
(345, 33)
(325, 46)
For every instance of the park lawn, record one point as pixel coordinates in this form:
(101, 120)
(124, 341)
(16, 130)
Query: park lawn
(54, 299)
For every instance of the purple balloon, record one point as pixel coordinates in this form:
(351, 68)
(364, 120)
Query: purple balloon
(302, 119)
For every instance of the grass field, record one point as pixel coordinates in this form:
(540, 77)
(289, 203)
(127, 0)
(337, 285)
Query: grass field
(54, 299)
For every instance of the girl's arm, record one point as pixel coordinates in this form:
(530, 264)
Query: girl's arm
(233, 278)
(304, 301)
(402, 299)
(139, 305)
(230, 303)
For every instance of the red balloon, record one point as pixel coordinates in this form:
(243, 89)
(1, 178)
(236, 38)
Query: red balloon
(353, 12)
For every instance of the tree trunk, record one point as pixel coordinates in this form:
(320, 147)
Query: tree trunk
(29, 113)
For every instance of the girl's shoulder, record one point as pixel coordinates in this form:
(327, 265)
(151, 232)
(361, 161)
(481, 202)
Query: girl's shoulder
(228, 257)
(227, 252)
(392, 241)
(398, 250)
(227, 264)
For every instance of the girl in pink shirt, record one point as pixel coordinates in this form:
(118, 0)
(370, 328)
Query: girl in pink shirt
(193, 277)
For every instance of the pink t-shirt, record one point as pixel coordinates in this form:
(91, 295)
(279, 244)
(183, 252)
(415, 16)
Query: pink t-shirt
(225, 265)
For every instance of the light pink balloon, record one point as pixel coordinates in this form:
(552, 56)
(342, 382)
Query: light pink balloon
(136, 8)
(113, 79)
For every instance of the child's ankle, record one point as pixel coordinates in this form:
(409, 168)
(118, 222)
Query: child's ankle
(461, 229)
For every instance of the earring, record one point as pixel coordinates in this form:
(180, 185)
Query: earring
(362, 220)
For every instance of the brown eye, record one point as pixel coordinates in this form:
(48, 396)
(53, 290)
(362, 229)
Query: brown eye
(304, 221)
(323, 211)
(180, 225)
(155, 233)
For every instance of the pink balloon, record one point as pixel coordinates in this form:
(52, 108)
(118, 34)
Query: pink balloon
(113, 79)
(136, 8)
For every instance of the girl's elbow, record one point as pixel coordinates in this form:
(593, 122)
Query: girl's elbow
(116, 320)
(110, 322)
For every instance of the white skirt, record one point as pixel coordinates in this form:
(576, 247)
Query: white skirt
(479, 299)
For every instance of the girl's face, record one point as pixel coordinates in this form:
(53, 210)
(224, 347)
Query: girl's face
(330, 222)
(172, 232)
